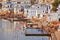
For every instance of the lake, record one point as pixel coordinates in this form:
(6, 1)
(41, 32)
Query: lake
(9, 31)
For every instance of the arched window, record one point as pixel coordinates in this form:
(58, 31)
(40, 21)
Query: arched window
(27, 11)
(38, 7)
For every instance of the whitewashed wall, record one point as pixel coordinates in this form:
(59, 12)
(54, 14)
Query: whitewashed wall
(36, 9)
(54, 16)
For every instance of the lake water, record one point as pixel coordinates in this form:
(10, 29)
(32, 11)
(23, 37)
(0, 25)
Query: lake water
(9, 31)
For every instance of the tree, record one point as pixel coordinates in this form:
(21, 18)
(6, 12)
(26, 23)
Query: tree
(0, 5)
(33, 2)
(55, 5)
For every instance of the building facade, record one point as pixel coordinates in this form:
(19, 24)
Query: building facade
(36, 9)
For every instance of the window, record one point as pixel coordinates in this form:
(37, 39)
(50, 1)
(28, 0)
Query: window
(18, 2)
(59, 19)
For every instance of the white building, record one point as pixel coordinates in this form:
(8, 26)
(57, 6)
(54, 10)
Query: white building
(25, 4)
(5, 6)
(59, 16)
(36, 9)
(54, 16)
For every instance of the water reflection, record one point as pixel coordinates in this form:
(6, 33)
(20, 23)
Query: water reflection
(9, 31)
